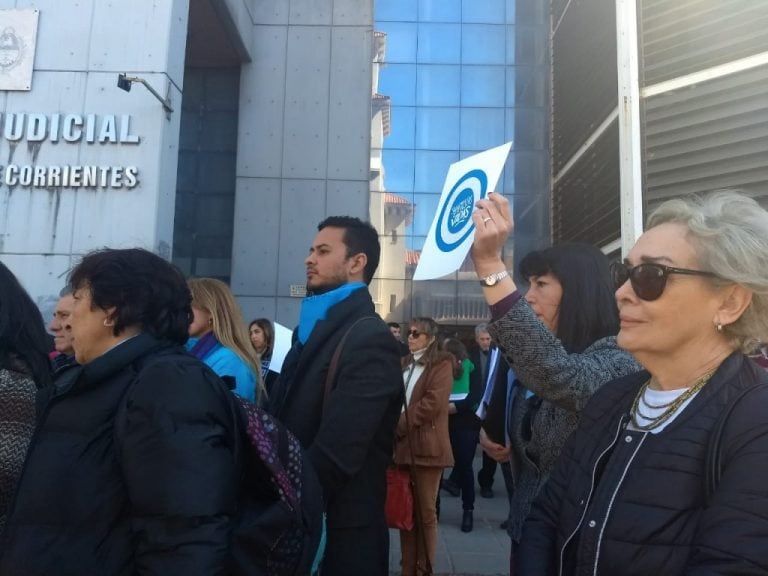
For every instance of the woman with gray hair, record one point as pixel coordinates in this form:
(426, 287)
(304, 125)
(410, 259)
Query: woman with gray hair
(666, 472)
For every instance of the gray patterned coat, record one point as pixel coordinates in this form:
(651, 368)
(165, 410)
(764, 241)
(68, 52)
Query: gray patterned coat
(562, 383)
(17, 424)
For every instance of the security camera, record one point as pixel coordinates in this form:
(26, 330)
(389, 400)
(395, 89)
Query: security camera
(123, 83)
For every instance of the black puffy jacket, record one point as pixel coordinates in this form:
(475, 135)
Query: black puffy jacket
(131, 470)
(623, 503)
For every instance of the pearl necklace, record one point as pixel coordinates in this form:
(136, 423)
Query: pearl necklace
(671, 407)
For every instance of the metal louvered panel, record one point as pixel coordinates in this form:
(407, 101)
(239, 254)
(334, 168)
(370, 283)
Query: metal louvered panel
(684, 36)
(585, 202)
(585, 84)
(708, 136)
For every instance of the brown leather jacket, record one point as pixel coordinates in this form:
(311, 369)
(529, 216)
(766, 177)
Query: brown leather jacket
(428, 415)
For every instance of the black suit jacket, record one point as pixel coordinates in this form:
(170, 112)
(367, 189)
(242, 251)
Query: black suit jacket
(350, 441)
(495, 416)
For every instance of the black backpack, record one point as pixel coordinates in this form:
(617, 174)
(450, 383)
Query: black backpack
(281, 526)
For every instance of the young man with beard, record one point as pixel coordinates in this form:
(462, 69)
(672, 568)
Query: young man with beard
(348, 435)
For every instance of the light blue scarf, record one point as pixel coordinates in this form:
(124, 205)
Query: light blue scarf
(315, 308)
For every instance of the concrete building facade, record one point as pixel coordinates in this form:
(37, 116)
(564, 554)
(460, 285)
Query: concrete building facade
(70, 141)
(269, 132)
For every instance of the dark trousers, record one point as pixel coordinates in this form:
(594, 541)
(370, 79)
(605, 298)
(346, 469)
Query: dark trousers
(487, 472)
(355, 551)
(464, 444)
(513, 559)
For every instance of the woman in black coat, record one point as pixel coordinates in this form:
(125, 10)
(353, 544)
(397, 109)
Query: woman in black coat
(132, 468)
(666, 473)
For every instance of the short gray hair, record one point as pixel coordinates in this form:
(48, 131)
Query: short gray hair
(480, 328)
(730, 234)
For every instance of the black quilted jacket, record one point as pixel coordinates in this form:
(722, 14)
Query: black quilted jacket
(625, 503)
(132, 470)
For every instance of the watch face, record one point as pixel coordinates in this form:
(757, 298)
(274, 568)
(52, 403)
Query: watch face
(493, 279)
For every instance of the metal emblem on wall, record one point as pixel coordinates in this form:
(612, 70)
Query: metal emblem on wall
(18, 37)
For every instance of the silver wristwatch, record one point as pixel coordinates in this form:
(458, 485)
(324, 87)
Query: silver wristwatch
(493, 279)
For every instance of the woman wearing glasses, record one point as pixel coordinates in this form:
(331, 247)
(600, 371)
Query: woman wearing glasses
(421, 440)
(666, 473)
(559, 341)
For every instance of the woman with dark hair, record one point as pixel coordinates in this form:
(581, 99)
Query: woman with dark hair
(559, 341)
(132, 468)
(463, 426)
(262, 335)
(421, 438)
(24, 368)
(586, 311)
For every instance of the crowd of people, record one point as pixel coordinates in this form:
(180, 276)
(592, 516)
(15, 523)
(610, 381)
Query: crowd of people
(623, 401)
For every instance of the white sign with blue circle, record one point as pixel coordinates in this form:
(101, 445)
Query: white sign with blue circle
(452, 230)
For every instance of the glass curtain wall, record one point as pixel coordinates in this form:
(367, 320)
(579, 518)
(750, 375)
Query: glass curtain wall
(451, 79)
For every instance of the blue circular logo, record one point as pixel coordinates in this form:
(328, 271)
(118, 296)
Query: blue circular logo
(455, 221)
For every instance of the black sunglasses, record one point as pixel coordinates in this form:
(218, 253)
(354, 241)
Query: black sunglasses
(648, 280)
(415, 333)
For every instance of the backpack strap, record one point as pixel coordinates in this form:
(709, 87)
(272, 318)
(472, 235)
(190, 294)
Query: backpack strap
(713, 466)
(330, 376)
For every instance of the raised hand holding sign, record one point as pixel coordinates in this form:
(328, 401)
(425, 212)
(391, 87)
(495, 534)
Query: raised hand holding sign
(452, 231)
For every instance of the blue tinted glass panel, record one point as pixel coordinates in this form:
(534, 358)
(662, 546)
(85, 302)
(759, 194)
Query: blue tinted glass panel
(530, 128)
(526, 86)
(482, 86)
(437, 128)
(438, 85)
(527, 173)
(398, 170)
(439, 43)
(439, 10)
(426, 207)
(530, 45)
(395, 10)
(481, 128)
(483, 44)
(431, 169)
(416, 243)
(399, 82)
(508, 176)
(401, 41)
(511, 9)
(403, 128)
(509, 125)
(484, 11)
(511, 58)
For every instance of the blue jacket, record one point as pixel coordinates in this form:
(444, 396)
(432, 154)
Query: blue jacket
(225, 362)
